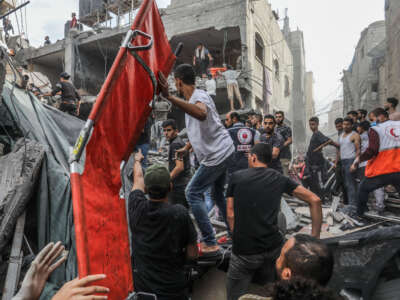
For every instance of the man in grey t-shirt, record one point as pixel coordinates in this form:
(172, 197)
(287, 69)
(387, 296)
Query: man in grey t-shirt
(212, 145)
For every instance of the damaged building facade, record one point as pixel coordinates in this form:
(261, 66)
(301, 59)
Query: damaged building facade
(361, 80)
(374, 73)
(246, 36)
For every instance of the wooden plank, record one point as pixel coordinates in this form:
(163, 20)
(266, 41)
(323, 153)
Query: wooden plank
(15, 261)
(383, 218)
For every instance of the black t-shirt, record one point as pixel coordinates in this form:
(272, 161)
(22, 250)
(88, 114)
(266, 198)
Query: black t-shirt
(160, 235)
(276, 141)
(286, 133)
(68, 91)
(184, 177)
(316, 158)
(257, 194)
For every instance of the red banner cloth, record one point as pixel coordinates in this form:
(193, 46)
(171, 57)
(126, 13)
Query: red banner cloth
(119, 115)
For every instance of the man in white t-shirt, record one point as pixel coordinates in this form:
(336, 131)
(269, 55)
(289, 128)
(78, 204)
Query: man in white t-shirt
(212, 145)
(232, 86)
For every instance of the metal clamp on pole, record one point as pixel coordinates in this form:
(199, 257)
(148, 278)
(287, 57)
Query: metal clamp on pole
(127, 43)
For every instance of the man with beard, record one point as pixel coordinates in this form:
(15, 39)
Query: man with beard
(274, 139)
(286, 133)
(390, 106)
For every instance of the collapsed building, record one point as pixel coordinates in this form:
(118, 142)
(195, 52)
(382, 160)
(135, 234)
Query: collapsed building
(372, 251)
(246, 36)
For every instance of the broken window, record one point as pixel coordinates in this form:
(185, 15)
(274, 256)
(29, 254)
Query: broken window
(375, 87)
(259, 48)
(287, 86)
(276, 67)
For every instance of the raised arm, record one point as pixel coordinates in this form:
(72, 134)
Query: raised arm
(138, 179)
(197, 110)
(315, 208)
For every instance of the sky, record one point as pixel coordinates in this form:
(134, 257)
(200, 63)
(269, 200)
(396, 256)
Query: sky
(331, 31)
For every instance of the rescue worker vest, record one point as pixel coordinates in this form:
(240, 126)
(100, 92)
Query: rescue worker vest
(243, 139)
(388, 159)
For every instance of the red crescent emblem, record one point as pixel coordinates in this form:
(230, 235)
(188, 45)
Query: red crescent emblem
(392, 133)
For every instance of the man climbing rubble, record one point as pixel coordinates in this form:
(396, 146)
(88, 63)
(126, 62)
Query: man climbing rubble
(383, 155)
(253, 203)
(212, 145)
(70, 98)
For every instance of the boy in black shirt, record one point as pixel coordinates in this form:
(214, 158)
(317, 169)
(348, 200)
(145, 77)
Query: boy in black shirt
(178, 164)
(253, 202)
(163, 235)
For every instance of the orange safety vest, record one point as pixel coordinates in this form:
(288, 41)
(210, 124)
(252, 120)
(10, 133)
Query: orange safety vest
(388, 159)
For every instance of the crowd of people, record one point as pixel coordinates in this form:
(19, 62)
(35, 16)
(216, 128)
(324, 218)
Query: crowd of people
(244, 164)
(367, 158)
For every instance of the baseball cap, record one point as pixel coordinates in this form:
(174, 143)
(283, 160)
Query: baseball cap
(65, 75)
(157, 177)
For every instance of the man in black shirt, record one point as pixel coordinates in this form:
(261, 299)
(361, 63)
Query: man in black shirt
(253, 202)
(178, 164)
(273, 138)
(163, 235)
(315, 160)
(70, 99)
(286, 133)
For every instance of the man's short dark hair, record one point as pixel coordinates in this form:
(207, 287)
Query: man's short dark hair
(348, 119)
(186, 73)
(364, 125)
(258, 117)
(314, 119)
(310, 258)
(279, 112)
(353, 113)
(263, 152)
(169, 122)
(380, 112)
(301, 288)
(235, 115)
(338, 121)
(393, 101)
(270, 117)
(363, 112)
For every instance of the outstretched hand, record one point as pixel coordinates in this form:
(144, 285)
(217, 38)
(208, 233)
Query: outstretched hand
(78, 289)
(163, 83)
(139, 156)
(41, 268)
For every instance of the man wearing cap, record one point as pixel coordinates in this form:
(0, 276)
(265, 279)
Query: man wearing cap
(70, 99)
(163, 235)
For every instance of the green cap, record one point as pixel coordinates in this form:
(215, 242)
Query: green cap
(157, 176)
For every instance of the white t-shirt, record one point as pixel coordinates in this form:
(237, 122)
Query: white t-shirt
(231, 76)
(211, 142)
(211, 87)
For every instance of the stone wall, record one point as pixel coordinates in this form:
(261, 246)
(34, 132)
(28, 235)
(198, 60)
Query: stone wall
(362, 78)
(392, 10)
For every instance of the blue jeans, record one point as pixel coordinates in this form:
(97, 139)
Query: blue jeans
(204, 178)
(350, 184)
(145, 149)
(208, 200)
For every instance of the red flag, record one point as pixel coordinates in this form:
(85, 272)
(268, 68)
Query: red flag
(117, 119)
